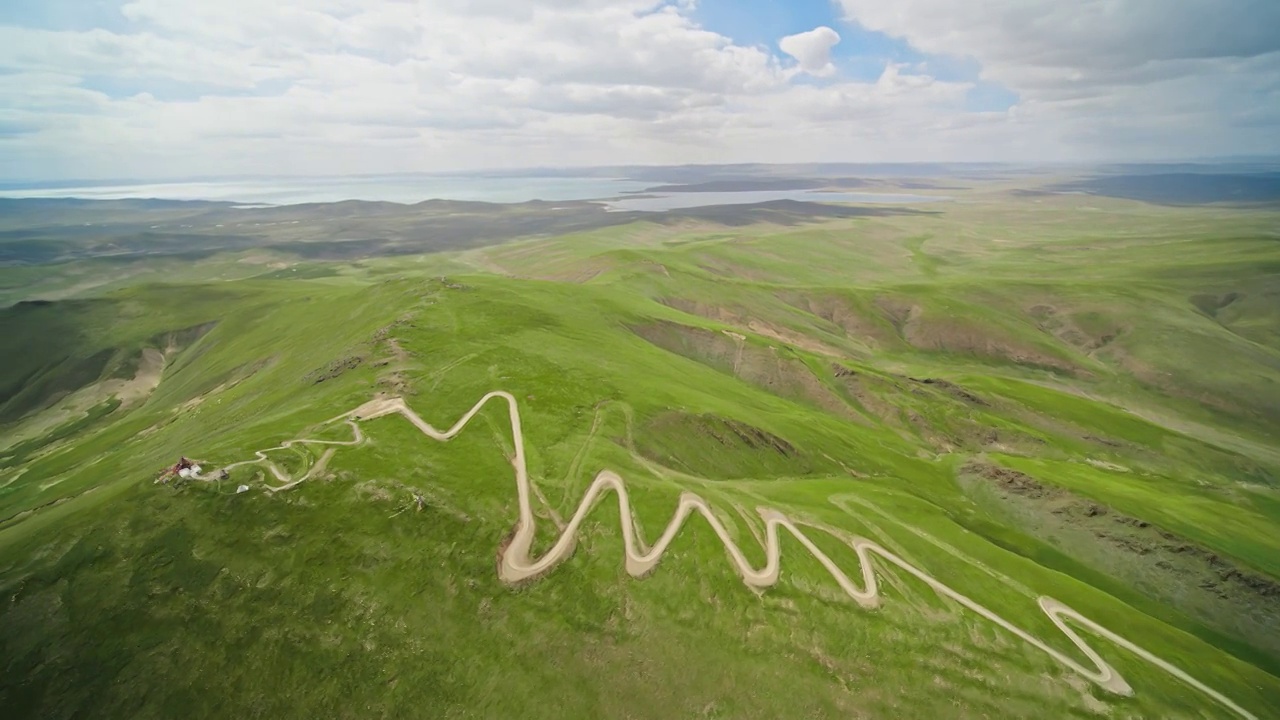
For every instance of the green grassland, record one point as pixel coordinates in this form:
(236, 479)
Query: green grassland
(1055, 395)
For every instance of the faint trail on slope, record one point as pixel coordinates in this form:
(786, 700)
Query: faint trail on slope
(843, 501)
(517, 565)
(555, 516)
(575, 465)
(437, 376)
(317, 468)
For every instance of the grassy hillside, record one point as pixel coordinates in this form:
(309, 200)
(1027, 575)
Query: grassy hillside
(1056, 395)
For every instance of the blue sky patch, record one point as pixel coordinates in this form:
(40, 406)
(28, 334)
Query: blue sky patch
(861, 55)
(65, 14)
(762, 22)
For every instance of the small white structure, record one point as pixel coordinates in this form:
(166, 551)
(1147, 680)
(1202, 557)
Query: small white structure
(242, 488)
(185, 472)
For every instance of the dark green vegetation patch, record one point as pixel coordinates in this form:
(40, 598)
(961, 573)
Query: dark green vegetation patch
(715, 447)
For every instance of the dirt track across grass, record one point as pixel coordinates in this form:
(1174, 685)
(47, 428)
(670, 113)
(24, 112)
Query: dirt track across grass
(518, 565)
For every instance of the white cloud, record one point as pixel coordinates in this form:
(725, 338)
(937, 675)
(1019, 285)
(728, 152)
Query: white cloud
(1081, 41)
(812, 49)
(1143, 77)
(329, 86)
(98, 53)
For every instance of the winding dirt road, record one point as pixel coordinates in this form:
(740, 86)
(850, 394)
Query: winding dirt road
(262, 459)
(517, 564)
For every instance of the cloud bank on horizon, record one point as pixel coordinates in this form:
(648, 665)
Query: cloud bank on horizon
(180, 88)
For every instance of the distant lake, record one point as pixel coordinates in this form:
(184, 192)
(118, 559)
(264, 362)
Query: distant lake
(407, 189)
(411, 189)
(658, 202)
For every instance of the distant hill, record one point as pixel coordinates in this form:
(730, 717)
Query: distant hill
(1184, 188)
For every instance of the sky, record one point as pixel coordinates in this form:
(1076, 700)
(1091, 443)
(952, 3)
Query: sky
(188, 88)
